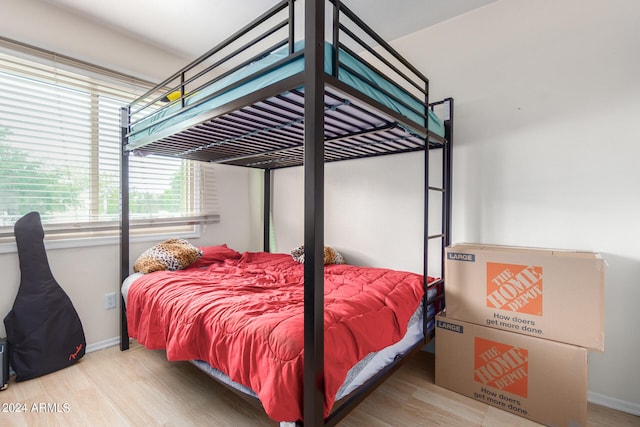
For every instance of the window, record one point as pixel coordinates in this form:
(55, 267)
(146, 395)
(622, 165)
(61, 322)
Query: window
(60, 153)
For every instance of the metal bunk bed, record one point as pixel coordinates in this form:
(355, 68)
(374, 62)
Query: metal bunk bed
(309, 114)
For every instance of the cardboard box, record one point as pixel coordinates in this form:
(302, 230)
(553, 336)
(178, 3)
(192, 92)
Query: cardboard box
(551, 294)
(544, 381)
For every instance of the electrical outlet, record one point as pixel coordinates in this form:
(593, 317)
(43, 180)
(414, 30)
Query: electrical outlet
(110, 301)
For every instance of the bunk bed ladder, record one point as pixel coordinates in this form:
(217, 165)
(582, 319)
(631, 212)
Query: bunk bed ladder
(447, 167)
(445, 222)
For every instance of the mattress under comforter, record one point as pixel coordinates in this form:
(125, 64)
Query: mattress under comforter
(245, 317)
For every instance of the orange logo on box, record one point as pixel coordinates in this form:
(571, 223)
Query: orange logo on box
(515, 288)
(501, 366)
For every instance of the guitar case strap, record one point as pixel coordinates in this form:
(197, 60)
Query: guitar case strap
(44, 332)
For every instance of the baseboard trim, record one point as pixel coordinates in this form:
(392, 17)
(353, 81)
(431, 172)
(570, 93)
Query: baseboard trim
(101, 345)
(613, 403)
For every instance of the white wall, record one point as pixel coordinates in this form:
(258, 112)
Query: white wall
(547, 141)
(373, 210)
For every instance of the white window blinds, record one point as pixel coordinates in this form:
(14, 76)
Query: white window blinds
(60, 152)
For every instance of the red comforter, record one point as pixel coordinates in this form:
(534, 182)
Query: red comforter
(245, 317)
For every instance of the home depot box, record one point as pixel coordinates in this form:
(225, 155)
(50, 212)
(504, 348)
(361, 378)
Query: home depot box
(545, 381)
(552, 294)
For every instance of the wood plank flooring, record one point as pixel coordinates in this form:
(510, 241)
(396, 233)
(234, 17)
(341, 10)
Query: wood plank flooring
(139, 387)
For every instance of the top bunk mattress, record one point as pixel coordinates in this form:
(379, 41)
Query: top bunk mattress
(277, 66)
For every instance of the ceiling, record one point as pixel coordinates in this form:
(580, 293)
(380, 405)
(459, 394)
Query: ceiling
(190, 27)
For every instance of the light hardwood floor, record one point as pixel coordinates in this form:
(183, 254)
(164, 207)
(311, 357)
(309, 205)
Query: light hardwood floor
(139, 387)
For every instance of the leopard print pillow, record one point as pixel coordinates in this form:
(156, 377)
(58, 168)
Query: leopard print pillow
(331, 256)
(173, 254)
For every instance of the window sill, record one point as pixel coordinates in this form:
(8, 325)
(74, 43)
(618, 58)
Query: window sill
(145, 235)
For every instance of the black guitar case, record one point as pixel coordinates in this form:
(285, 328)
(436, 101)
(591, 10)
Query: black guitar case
(44, 332)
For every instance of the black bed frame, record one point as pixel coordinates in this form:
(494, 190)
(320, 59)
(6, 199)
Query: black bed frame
(282, 126)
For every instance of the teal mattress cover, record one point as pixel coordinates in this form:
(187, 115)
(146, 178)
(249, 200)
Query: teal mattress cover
(155, 123)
